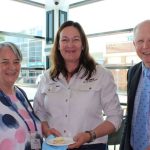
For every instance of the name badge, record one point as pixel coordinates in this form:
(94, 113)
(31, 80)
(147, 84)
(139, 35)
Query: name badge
(35, 142)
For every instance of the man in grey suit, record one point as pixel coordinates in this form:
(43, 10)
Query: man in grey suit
(135, 82)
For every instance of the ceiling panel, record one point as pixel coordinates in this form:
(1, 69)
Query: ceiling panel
(69, 1)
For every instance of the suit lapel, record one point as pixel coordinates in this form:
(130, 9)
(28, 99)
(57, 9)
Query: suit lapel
(133, 87)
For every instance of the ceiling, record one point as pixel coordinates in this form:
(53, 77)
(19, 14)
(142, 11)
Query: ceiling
(70, 2)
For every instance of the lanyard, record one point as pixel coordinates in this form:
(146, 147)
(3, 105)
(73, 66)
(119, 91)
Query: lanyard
(15, 109)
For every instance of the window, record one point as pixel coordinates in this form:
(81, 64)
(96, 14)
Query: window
(50, 27)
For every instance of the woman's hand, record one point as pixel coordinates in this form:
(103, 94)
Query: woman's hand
(52, 131)
(80, 139)
(47, 131)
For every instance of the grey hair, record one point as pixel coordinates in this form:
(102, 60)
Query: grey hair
(14, 48)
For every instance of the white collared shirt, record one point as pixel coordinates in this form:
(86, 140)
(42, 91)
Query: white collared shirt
(78, 106)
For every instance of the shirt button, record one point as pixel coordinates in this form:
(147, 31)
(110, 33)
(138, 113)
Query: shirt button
(66, 116)
(66, 100)
(64, 131)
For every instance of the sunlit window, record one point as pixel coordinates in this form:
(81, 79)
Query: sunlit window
(22, 18)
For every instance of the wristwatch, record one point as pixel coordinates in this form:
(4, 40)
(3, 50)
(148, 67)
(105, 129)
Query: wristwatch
(92, 135)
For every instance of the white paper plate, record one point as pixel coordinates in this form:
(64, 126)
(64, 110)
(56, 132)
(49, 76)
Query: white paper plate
(67, 141)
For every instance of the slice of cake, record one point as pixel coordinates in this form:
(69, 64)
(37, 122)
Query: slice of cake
(59, 140)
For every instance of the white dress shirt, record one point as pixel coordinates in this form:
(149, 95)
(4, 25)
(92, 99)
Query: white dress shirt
(79, 105)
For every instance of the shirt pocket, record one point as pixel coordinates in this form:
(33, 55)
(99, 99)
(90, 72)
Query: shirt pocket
(51, 88)
(88, 87)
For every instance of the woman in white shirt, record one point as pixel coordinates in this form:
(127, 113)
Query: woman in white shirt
(75, 92)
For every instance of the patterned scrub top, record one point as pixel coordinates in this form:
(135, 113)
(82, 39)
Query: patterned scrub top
(16, 122)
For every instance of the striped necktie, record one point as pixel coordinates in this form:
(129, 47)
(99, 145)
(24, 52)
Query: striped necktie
(140, 141)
